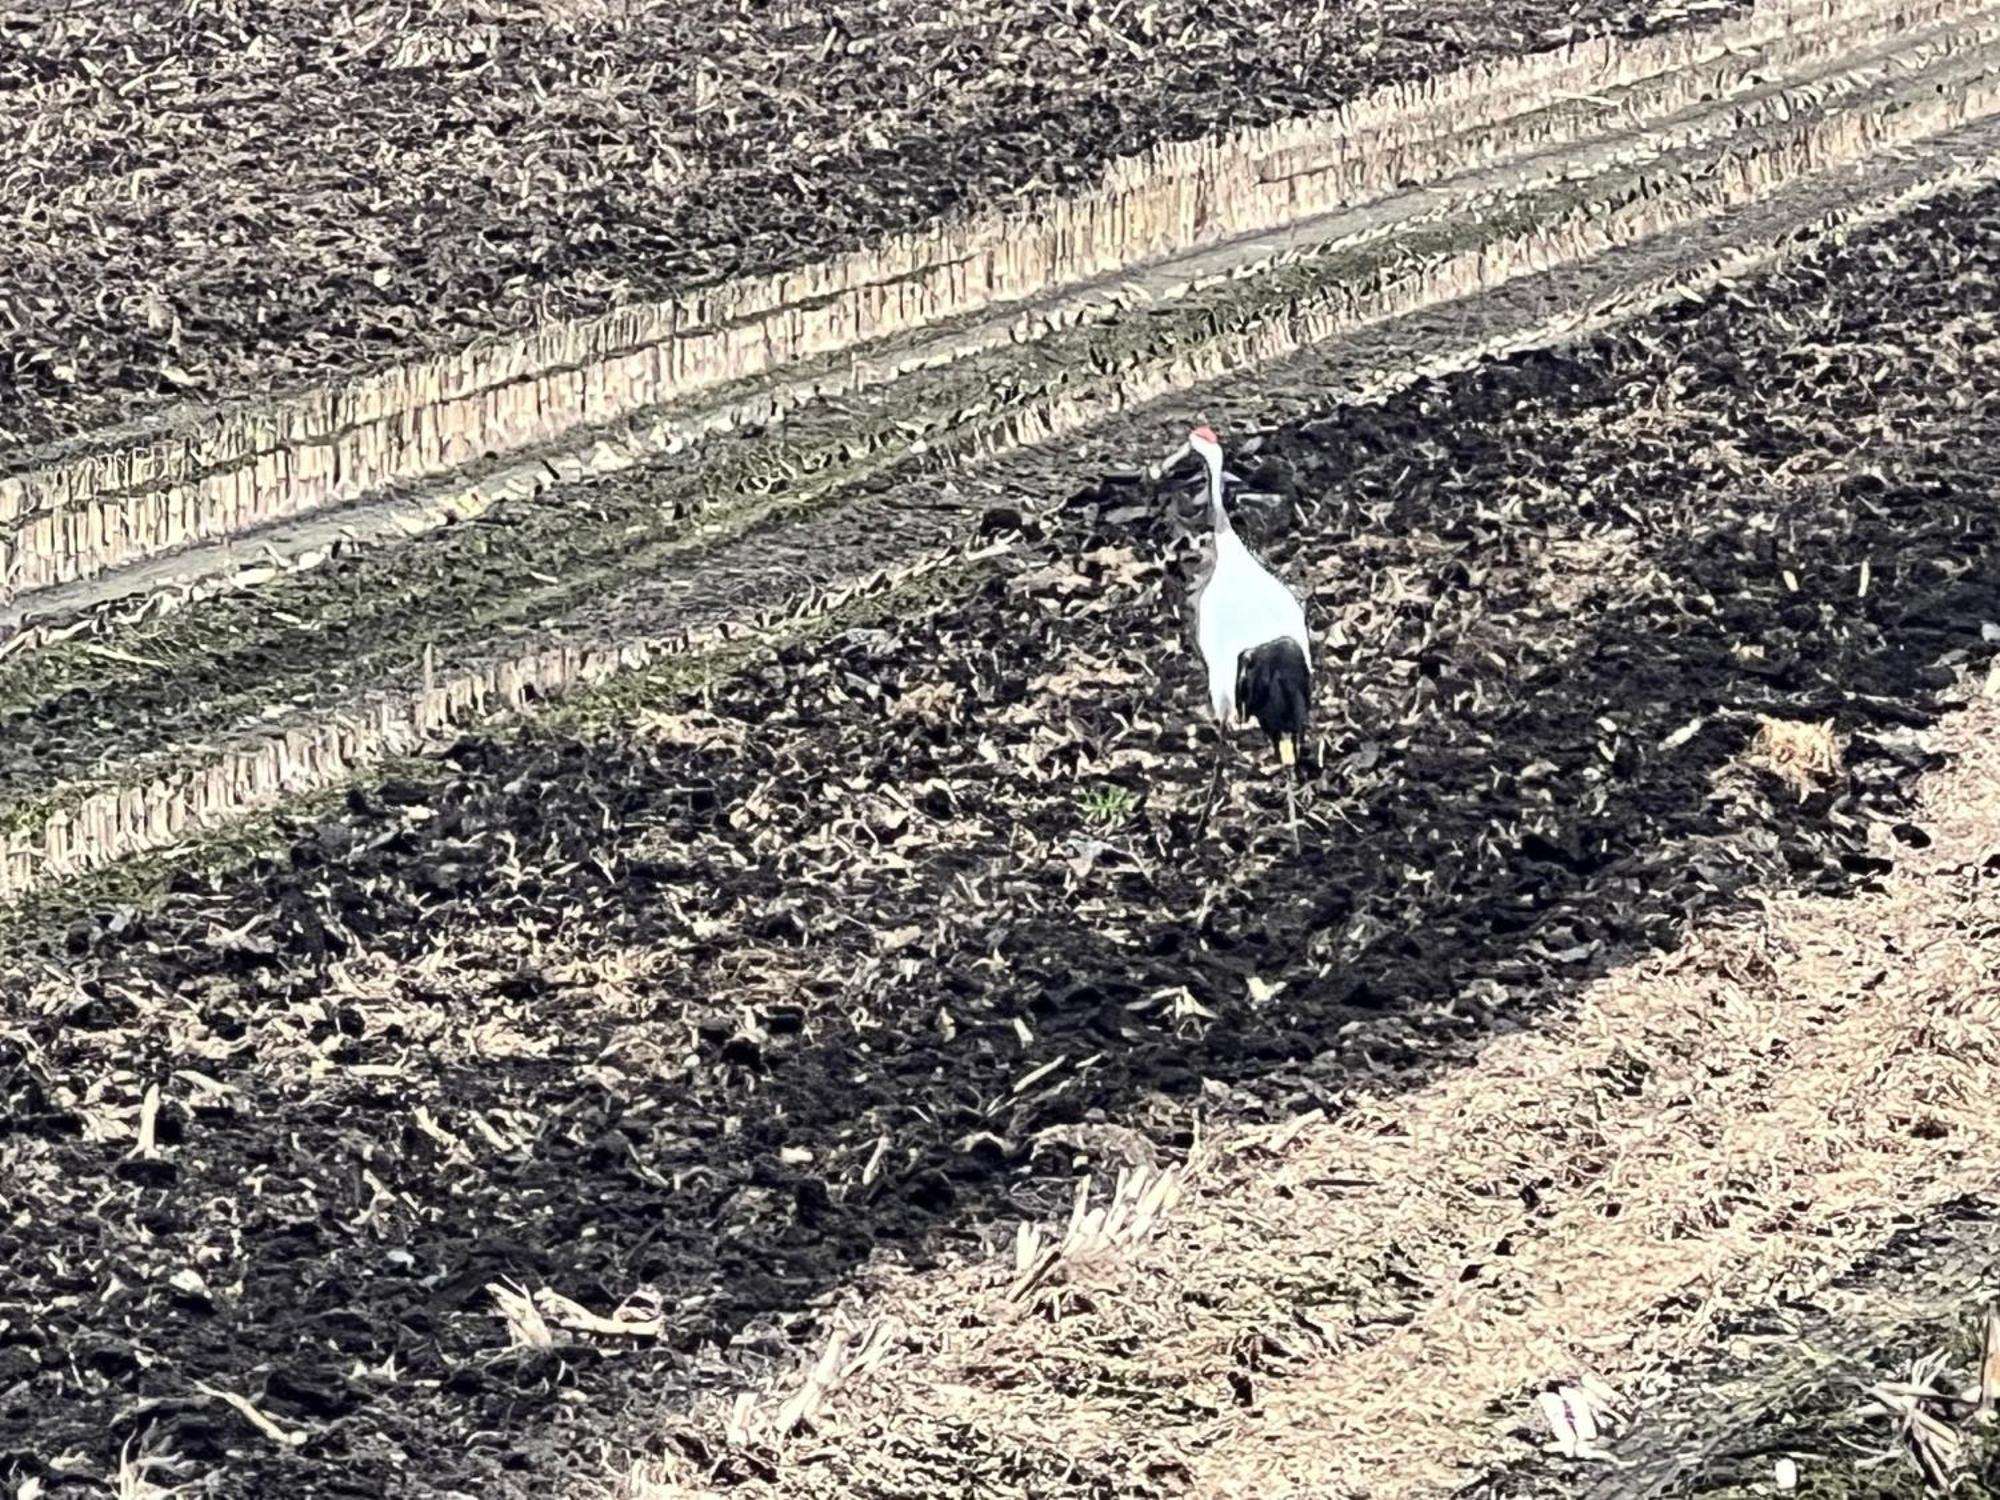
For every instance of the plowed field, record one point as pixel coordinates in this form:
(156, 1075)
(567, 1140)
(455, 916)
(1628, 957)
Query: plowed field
(858, 955)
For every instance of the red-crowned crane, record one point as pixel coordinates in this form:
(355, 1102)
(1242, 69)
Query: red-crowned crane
(1251, 631)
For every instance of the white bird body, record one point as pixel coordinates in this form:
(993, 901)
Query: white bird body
(1251, 631)
(1239, 607)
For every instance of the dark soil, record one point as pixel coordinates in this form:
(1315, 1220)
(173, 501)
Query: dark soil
(713, 1023)
(223, 198)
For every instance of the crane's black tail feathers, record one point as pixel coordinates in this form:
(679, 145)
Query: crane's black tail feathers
(1274, 687)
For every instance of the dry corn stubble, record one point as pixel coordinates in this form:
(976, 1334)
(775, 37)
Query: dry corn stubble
(967, 967)
(1740, 76)
(71, 519)
(1366, 1306)
(651, 144)
(1805, 755)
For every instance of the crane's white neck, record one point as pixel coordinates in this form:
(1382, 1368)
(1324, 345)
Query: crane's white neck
(1213, 458)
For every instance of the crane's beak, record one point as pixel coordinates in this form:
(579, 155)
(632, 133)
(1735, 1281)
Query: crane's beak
(1172, 461)
(1288, 751)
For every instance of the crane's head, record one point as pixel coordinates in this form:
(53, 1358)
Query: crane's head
(1200, 440)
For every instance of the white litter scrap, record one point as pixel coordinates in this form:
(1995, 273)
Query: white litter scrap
(526, 1327)
(1579, 1415)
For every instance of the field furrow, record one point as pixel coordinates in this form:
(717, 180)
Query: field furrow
(232, 199)
(600, 878)
(1368, 1305)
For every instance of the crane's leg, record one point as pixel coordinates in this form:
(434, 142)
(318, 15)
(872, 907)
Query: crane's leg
(1292, 811)
(1214, 781)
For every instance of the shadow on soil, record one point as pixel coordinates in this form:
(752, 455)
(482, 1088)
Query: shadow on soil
(1483, 845)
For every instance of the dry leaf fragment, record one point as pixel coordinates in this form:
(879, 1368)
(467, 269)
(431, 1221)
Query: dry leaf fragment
(1989, 1366)
(285, 1437)
(567, 1313)
(526, 1327)
(1574, 1414)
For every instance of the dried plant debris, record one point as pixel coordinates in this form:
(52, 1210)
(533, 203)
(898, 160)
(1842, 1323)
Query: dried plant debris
(1580, 1415)
(1773, 107)
(1341, 1304)
(240, 197)
(1925, 1413)
(1870, 1381)
(1939, 1421)
(695, 1015)
(1805, 755)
